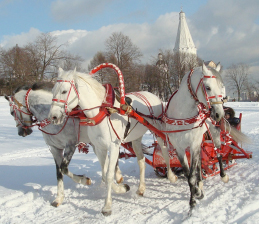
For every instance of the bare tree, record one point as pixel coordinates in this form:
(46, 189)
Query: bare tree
(122, 52)
(47, 56)
(164, 82)
(15, 67)
(181, 64)
(38, 60)
(237, 77)
(102, 75)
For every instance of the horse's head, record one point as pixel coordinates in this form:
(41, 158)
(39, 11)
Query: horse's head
(65, 96)
(210, 90)
(19, 111)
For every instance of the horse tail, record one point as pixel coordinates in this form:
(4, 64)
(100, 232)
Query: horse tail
(237, 135)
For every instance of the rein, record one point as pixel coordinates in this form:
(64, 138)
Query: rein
(105, 106)
(33, 122)
(203, 111)
(17, 107)
(72, 83)
(201, 84)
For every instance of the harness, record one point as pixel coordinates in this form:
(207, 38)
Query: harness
(106, 108)
(204, 112)
(17, 107)
(107, 103)
(72, 83)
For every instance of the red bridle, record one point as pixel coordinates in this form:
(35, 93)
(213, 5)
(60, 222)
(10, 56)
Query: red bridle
(17, 107)
(72, 83)
(93, 71)
(201, 84)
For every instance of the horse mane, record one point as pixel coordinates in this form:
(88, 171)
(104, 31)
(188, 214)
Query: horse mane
(47, 86)
(92, 82)
(21, 87)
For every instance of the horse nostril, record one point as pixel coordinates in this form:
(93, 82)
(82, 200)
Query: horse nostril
(54, 118)
(217, 115)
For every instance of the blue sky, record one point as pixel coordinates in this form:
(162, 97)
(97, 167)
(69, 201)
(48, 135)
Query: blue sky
(225, 31)
(17, 16)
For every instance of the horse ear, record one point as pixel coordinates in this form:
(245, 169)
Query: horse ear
(218, 67)
(205, 69)
(6, 97)
(60, 70)
(75, 70)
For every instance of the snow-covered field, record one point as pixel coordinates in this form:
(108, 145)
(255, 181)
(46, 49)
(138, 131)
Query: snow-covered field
(28, 185)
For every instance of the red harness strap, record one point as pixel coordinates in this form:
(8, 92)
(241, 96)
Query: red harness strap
(148, 105)
(103, 112)
(72, 83)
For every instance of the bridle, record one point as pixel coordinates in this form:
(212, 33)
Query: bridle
(204, 110)
(65, 102)
(17, 109)
(202, 86)
(93, 71)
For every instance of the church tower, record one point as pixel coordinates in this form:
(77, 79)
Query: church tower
(184, 42)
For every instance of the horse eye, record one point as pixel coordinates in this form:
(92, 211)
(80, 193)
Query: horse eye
(208, 88)
(64, 92)
(12, 113)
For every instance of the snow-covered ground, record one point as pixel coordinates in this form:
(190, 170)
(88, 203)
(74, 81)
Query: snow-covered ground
(28, 185)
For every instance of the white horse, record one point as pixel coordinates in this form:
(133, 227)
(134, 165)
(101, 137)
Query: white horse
(74, 88)
(61, 139)
(200, 94)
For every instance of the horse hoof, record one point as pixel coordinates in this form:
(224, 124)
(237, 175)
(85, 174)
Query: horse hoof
(106, 213)
(88, 181)
(55, 204)
(120, 181)
(173, 179)
(200, 196)
(225, 179)
(127, 187)
(140, 193)
(192, 204)
(198, 193)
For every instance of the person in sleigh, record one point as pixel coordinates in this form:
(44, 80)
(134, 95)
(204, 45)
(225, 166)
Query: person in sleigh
(230, 116)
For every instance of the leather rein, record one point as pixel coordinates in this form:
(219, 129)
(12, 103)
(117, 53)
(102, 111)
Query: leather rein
(17, 107)
(204, 112)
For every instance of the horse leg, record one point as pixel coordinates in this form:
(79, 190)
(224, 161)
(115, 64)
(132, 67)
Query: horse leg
(223, 175)
(58, 155)
(118, 175)
(62, 168)
(114, 152)
(215, 132)
(68, 153)
(184, 162)
(137, 147)
(199, 188)
(104, 161)
(192, 180)
(170, 174)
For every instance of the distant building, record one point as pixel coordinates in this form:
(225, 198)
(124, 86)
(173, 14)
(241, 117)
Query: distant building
(212, 64)
(161, 64)
(184, 42)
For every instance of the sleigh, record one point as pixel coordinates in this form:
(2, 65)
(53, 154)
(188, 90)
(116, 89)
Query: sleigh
(230, 151)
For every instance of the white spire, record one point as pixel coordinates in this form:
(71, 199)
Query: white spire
(184, 42)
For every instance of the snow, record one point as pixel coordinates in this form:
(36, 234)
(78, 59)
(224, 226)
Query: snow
(28, 185)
